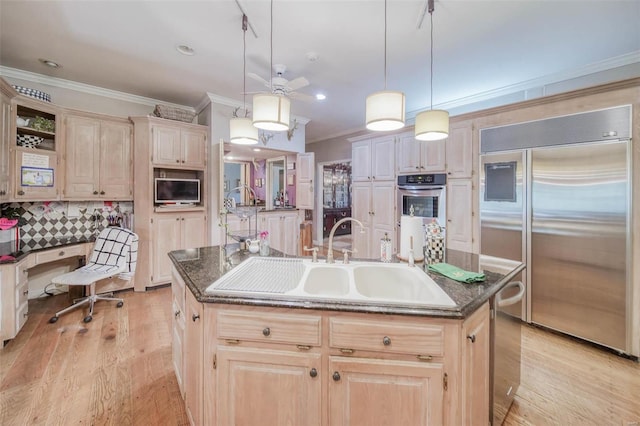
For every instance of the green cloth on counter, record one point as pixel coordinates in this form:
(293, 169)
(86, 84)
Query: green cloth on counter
(456, 273)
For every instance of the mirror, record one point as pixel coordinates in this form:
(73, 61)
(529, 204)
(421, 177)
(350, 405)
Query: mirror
(264, 170)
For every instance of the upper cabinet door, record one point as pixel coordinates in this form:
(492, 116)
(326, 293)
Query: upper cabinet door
(361, 161)
(115, 161)
(5, 142)
(383, 158)
(82, 157)
(36, 177)
(460, 151)
(166, 145)
(304, 181)
(408, 154)
(433, 156)
(193, 150)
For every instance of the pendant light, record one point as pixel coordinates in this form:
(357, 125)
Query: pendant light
(385, 109)
(271, 111)
(432, 125)
(241, 130)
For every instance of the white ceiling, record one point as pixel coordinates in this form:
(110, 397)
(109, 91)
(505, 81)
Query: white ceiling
(481, 47)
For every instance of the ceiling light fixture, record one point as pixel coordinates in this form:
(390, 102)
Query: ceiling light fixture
(432, 125)
(271, 111)
(185, 50)
(50, 63)
(241, 130)
(321, 96)
(385, 109)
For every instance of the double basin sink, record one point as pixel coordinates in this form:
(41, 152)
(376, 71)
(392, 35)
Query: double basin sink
(361, 282)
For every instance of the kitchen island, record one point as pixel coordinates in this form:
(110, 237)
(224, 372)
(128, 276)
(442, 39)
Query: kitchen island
(242, 359)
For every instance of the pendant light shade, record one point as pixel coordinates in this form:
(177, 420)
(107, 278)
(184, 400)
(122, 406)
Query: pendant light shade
(271, 112)
(432, 125)
(242, 131)
(385, 110)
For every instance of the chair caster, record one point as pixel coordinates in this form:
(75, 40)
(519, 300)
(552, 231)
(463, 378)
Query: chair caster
(119, 304)
(53, 319)
(88, 318)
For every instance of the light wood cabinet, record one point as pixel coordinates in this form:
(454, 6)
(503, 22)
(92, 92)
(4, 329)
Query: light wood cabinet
(283, 228)
(98, 161)
(417, 157)
(193, 358)
(174, 231)
(177, 328)
(373, 159)
(167, 149)
(459, 148)
(374, 205)
(305, 199)
(14, 292)
(460, 215)
(5, 141)
(475, 367)
(178, 147)
(36, 175)
(385, 392)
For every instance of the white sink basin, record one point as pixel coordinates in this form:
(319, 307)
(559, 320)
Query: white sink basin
(364, 282)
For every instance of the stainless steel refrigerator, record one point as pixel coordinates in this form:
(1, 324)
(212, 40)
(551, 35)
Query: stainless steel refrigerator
(555, 194)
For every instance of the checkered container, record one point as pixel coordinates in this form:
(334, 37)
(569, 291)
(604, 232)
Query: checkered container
(29, 141)
(434, 243)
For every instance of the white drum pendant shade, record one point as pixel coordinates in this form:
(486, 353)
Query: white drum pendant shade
(271, 112)
(432, 125)
(242, 132)
(385, 110)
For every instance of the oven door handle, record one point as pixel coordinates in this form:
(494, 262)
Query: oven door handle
(420, 188)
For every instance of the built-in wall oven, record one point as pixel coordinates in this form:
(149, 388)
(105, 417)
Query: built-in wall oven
(426, 193)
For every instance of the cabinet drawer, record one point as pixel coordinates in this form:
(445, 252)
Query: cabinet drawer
(22, 274)
(394, 338)
(22, 293)
(60, 253)
(271, 328)
(21, 316)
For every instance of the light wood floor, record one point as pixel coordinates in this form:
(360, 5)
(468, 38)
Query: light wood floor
(117, 370)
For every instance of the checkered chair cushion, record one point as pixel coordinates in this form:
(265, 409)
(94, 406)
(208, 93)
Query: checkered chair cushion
(114, 253)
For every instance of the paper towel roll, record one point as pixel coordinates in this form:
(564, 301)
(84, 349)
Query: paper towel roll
(411, 226)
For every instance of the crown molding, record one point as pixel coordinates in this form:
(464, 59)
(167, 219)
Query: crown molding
(85, 88)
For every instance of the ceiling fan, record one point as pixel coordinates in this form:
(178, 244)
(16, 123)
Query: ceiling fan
(282, 86)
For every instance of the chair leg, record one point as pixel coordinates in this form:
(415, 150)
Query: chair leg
(91, 300)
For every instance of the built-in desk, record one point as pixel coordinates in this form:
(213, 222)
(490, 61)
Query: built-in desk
(18, 258)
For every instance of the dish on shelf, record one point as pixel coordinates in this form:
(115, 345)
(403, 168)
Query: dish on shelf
(29, 141)
(22, 122)
(33, 93)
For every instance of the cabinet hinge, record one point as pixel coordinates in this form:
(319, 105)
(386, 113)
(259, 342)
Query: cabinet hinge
(445, 381)
(215, 361)
(151, 220)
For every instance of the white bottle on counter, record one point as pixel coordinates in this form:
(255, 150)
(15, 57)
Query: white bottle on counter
(385, 248)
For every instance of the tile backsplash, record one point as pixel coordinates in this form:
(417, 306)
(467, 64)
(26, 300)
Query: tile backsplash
(67, 219)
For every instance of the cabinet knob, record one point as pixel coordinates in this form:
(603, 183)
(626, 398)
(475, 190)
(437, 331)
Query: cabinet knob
(95, 192)
(21, 192)
(336, 376)
(61, 253)
(183, 161)
(194, 317)
(386, 341)
(26, 292)
(177, 218)
(417, 167)
(177, 161)
(266, 332)
(176, 314)
(472, 338)
(101, 192)
(313, 372)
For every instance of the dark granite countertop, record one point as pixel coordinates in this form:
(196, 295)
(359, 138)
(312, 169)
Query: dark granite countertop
(15, 251)
(202, 266)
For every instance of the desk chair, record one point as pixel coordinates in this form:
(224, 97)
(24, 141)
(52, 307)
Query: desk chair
(114, 253)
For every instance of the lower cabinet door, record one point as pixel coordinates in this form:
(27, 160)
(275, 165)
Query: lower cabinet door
(268, 387)
(384, 392)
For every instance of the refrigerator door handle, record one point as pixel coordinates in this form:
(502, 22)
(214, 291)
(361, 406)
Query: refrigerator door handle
(513, 299)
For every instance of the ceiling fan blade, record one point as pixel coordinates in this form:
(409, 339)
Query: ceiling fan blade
(302, 97)
(297, 83)
(258, 78)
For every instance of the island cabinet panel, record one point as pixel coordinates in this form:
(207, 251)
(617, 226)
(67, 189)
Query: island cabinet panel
(268, 387)
(475, 368)
(270, 328)
(193, 358)
(385, 392)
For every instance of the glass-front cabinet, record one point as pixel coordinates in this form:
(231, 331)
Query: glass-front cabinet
(336, 197)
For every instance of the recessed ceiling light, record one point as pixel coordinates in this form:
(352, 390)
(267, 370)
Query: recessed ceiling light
(256, 149)
(185, 50)
(49, 63)
(321, 96)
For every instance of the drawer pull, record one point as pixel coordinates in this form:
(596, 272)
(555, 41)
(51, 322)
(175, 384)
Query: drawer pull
(346, 351)
(472, 338)
(386, 341)
(61, 253)
(336, 376)
(194, 317)
(232, 341)
(303, 347)
(313, 372)
(266, 332)
(424, 357)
